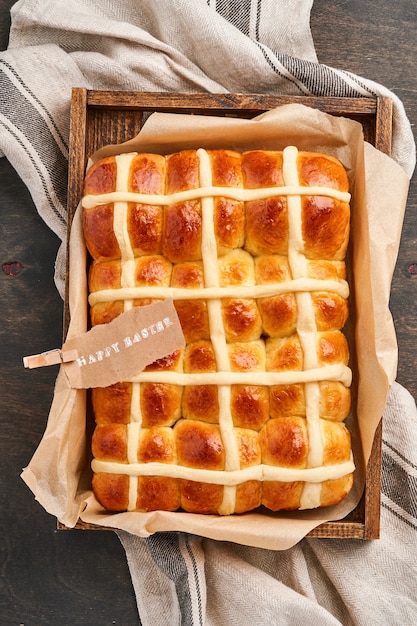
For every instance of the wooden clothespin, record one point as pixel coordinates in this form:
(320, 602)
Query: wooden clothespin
(51, 357)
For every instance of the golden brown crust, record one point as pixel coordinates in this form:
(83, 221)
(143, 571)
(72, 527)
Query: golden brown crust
(202, 427)
(277, 495)
(199, 357)
(248, 496)
(99, 235)
(247, 356)
(109, 442)
(331, 310)
(98, 224)
(267, 226)
(157, 492)
(111, 490)
(335, 400)
(198, 497)
(333, 491)
(200, 402)
(271, 268)
(325, 225)
(229, 214)
(279, 315)
(157, 444)
(160, 404)
(284, 442)
(287, 400)
(249, 406)
(241, 319)
(199, 445)
(169, 363)
(112, 404)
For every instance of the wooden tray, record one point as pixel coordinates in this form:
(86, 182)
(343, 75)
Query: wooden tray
(99, 118)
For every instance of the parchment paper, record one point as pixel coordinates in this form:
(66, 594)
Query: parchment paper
(59, 474)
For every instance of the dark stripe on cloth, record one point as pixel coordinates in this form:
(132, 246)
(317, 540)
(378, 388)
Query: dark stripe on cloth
(267, 54)
(165, 551)
(317, 79)
(196, 579)
(258, 19)
(399, 516)
(36, 99)
(320, 80)
(61, 218)
(399, 486)
(399, 454)
(237, 12)
(27, 119)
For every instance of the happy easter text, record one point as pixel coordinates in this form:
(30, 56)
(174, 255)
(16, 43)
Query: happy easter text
(126, 342)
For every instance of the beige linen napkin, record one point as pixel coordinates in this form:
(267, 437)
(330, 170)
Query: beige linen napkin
(254, 46)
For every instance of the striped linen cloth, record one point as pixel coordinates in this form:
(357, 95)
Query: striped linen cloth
(220, 46)
(197, 581)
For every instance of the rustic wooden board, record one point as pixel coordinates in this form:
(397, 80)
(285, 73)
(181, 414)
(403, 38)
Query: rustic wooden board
(99, 118)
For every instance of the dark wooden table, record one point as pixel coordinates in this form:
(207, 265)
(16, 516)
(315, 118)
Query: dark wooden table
(57, 577)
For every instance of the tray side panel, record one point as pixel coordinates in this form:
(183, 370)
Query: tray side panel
(99, 118)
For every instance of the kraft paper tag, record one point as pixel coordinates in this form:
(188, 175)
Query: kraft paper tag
(117, 351)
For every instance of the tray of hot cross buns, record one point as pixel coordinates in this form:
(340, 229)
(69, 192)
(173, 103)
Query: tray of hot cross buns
(254, 237)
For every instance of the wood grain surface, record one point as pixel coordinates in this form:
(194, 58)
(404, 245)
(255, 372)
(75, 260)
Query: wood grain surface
(81, 577)
(376, 40)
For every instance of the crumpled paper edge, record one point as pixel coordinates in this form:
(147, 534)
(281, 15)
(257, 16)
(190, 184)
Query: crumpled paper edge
(74, 502)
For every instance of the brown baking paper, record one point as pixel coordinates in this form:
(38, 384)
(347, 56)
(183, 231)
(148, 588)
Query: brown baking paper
(59, 474)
